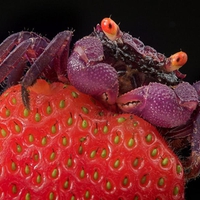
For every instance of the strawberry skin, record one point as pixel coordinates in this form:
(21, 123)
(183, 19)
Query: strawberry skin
(69, 147)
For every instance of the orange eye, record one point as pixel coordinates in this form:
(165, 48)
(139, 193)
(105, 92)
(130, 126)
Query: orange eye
(110, 28)
(177, 60)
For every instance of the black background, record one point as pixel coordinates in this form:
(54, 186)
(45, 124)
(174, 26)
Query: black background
(168, 26)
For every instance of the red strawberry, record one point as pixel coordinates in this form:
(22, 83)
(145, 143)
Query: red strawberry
(69, 147)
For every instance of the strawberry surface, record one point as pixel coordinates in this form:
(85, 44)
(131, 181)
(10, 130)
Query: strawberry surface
(69, 147)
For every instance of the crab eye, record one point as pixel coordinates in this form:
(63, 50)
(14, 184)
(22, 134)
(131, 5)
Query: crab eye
(110, 28)
(177, 60)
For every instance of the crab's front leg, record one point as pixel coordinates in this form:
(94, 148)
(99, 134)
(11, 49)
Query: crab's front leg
(52, 63)
(89, 74)
(161, 105)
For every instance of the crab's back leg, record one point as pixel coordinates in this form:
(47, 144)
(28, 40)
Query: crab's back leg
(11, 61)
(88, 72)
(15, 64)
(54, 49)
(15, 39)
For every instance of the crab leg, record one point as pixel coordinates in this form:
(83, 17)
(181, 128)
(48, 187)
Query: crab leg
(14, 77)
(54, 50)
(13, 65)
(62, 54)
(11, 61)
(13, 40)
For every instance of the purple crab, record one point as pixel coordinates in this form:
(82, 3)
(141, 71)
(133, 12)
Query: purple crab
(117, 69)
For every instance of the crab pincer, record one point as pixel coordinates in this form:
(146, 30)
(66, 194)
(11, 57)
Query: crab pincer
(89, 74)
(160, 104)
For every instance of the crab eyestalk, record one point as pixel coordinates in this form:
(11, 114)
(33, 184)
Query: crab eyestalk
(176, 61)
(110, 29)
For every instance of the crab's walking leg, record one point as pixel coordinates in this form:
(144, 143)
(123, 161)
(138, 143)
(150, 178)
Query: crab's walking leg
(11, 61)
(51, 54)
(15, 39)
(15, 64)
(14, 77)
(61, 58)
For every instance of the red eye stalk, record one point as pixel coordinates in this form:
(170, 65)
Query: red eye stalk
(177, 60)
(110, 28)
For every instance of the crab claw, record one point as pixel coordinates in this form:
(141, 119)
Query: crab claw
(89, 74)
(160, 104)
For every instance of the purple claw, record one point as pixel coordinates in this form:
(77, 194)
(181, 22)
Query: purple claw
(160, 104)
(88, 74)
